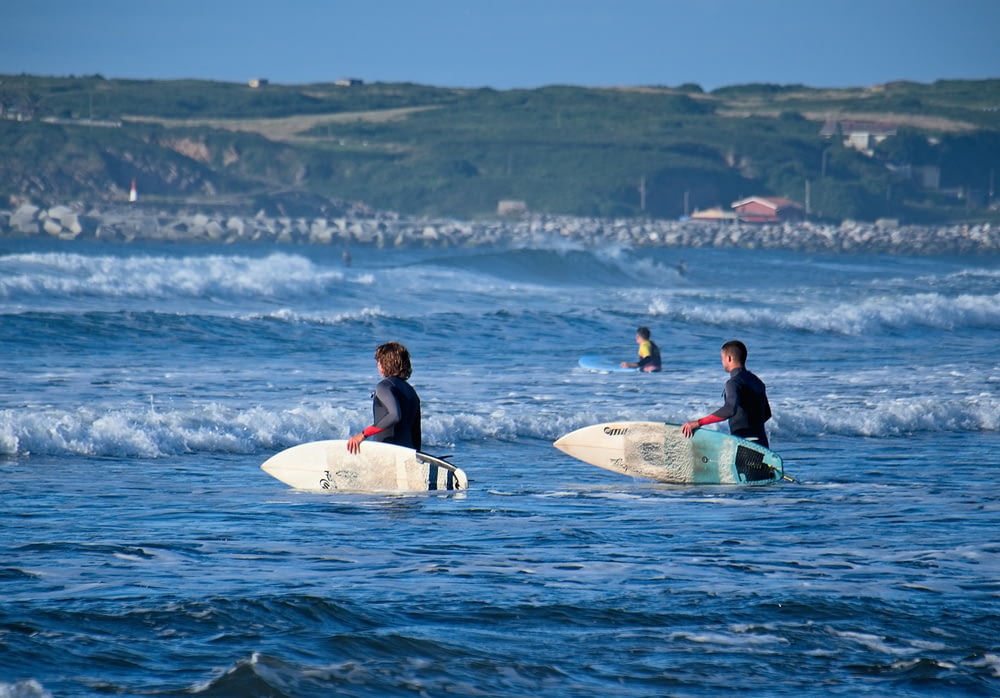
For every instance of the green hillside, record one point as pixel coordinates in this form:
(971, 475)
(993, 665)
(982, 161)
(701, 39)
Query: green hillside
(650, 151)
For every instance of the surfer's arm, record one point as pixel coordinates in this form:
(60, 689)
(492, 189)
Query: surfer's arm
(384, 395)
(731, 396)
(393, 412)
(354, 443)
(688, 428)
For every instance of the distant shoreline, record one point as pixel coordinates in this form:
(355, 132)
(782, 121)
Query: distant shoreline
(132, 222)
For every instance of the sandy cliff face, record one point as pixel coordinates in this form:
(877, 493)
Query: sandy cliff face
(188, 147)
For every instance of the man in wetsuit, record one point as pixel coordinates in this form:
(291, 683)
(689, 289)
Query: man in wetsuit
(395, 404)
(746, 406)
(649, 353)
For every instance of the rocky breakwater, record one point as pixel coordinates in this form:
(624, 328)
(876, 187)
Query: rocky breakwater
(129, 223)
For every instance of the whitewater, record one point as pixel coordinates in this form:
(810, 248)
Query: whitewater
(143, 551)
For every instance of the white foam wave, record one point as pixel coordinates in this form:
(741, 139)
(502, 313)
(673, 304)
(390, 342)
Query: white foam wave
(893, 417)
(29, 688)
(150, 432)
(319, 318)
(23, 276)
(851, 318)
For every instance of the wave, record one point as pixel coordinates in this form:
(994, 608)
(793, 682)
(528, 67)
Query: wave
(66, 275)
(270, 286)
(29, 688)
(865, 315)
(280, 274)
(609, 265)
(149, 432)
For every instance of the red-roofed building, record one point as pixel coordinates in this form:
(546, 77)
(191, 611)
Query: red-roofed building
(771, 209)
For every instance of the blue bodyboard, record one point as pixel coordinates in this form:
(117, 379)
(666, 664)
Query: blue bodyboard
(593, 362)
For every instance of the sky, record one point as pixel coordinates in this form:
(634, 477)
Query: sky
(507, 44)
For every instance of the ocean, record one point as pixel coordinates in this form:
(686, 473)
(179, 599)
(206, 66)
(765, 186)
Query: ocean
(143, 552)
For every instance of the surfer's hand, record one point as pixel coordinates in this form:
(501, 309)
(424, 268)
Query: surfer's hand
(688, 428)
(354, 443)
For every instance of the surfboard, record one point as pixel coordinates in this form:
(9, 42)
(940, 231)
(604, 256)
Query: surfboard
(661, 452)
(593, 362)
(326, 466)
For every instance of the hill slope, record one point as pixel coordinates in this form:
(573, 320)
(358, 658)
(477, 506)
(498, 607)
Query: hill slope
(642, 151)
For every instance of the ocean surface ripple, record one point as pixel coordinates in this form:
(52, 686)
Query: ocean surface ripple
(144, 552)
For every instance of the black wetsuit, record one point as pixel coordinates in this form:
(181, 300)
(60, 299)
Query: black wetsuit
(396, 412)
(746, 406)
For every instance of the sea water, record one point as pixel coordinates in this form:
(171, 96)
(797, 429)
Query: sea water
(144, 552)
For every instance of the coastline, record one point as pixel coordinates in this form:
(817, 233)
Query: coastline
(132, 222)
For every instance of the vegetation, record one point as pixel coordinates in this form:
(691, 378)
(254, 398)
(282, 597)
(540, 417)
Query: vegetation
(650, 151)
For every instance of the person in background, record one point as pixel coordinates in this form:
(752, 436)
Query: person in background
(746, 406)
(395, 404)
(649, 353)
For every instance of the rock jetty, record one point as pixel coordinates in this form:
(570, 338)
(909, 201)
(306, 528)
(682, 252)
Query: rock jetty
(388, 230)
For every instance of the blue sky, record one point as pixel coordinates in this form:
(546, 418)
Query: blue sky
(507, 44)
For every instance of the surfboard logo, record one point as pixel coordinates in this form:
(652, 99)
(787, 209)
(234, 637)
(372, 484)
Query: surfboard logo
(329, 479)
(616, 431)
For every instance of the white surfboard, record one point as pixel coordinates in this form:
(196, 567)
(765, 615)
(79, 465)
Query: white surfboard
(326, 466)
(661, 452)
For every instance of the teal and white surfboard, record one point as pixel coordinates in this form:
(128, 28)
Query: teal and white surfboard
(661, 452)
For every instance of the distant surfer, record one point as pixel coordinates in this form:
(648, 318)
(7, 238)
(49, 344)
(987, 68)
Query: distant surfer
(746, 406)
(649, 353)
(395, 404)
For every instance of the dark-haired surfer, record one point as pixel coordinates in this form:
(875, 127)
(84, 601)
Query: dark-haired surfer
(649, 353)
(746, 406)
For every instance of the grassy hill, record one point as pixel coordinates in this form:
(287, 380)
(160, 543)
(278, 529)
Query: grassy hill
(641, 151)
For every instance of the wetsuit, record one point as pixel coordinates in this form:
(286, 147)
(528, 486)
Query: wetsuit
(649, 356)
(396, 413)
(746, 406)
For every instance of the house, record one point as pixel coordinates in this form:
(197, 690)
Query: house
(257, 83)
(860, 135)
(771, 209)
(349, 82)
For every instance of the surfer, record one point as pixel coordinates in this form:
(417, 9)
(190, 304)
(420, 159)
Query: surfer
(746, 405)
(649, 353)
(395, 404)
